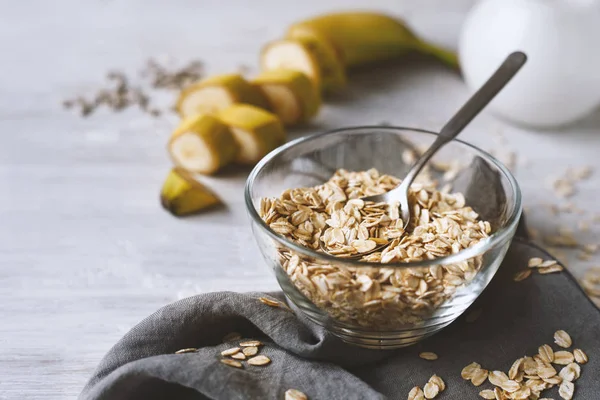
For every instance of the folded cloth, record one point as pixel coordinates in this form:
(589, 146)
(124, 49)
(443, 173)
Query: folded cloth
(516, 318)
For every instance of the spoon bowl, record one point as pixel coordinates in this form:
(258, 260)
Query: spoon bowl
(499, 79)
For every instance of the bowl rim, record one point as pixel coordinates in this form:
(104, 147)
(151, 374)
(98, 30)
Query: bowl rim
(483, 246)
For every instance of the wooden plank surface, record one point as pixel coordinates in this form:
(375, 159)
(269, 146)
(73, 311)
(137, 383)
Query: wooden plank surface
(86, 250)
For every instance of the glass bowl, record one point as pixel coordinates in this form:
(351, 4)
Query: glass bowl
(408, 313)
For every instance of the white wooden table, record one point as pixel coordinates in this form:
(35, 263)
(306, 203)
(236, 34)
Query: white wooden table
(86, 250)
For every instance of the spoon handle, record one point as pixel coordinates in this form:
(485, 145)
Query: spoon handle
(472, 107)
(484, 95)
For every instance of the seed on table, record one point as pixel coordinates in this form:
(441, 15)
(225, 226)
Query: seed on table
(427, 355)
(563, 357)
(188, 350)
(522, 275)
(249, 343)
(431, 390)
(230, 352)
(529, 366)
(551, 269)
(438, 381)
(553, 380)
(510, 386)
(521, 394)
(269, 302)
(534, 262)
(546, 353)
(239, 356)
(259, 360)
(562, 339)
(487, 394)
(231, 363)
(293, 394)
(468, 371)
(416, 394)
(571, 372)
(516, 368)
(566, 390)
(547, 263)
(250, 351)
(479, 376)
(497, 378)
(546, 370)
(580, 356)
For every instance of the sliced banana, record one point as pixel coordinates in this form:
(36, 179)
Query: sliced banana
(362, 37)
(291, 95)
(202, 144)
(211, 95)
(181, 194)
(256, 131)
(309, 55)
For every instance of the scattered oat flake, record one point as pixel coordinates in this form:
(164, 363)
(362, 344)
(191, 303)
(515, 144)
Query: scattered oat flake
(534, 262)
(547, 263)
(566, 390)
(580, 356)
(546, 353)
(522, 275)
(416, 393)
(230, 352)
(487, 394)
(239, 356)
(563, 357)
(231, 363)
(510, 386)
(570, 372)
(438, 381)
(516, 368)
(259, 360)
(562, 339)
(550, 270)
(293, 394)
(468, 371)
(250, 351)
(497, 378)
(188, 350)
(269, 302)
(427, 355)
(254, 343)
(431, 390)
(479, 376)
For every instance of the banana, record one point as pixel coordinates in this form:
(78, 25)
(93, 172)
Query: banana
(256, 131)
(292, 96)
(181, 194)
(216, 93)
(310, 55)
(202, 144)
(361, 38)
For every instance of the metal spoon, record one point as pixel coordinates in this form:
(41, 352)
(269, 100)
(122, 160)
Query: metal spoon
(453, 127)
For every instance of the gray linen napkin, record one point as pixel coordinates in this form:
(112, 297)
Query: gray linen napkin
(517, 318)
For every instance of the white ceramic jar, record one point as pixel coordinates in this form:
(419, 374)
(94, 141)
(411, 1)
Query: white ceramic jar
(561, 81)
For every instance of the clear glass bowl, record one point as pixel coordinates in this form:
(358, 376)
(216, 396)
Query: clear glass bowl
(488, 186)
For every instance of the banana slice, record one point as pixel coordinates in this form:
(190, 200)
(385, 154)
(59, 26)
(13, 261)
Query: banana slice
(292, 96)
(181, 194)
(312, 56)
(211, 95)
(361, 38)
(202, 144)
(256, 131)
